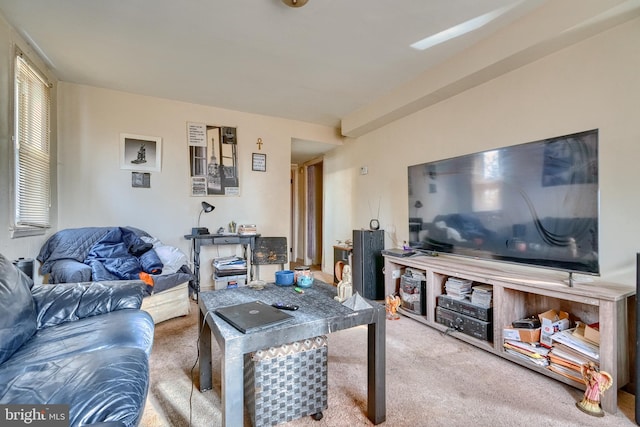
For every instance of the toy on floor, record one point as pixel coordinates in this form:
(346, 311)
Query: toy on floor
(391, 306)
(597, 383)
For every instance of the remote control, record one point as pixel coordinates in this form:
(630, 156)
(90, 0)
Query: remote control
(282, 306)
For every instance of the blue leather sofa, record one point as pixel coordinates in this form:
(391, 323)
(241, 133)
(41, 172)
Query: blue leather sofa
(85, 345)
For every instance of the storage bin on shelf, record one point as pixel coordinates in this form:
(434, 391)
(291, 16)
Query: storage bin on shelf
(229, 282)
(413, 291)
(229, 272)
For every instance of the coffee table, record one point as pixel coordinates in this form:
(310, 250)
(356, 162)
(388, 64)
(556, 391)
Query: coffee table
(319, 314)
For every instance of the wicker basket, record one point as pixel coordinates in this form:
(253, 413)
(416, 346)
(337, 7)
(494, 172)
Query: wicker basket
(287, 382)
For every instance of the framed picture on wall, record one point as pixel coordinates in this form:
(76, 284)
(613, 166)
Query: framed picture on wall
(140, 153)
(259, 162)
(140, 179)
(213, 160)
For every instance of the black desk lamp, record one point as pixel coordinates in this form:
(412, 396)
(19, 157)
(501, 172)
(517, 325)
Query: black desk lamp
(206, 207)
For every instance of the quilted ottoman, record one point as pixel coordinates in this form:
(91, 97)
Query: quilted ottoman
(287, 382)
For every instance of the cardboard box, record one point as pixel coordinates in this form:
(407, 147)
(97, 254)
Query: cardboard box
(589, 333)
(592, 333)
(552, 322)
(523, 335)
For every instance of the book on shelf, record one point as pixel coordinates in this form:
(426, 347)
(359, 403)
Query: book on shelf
(540, 362)
(482, 295)
(230, 266)
(247, 229)
(567, 363)
(567, 338)
(229, 260)
(458, 288)
(528, 347)
(534, 354)
(566, 372)
(573, 354)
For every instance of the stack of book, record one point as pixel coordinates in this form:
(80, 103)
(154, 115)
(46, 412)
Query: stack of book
(229, 266)
(531, 352)
(458, 288)
(247, 230)
(482, 295)
(570, 351)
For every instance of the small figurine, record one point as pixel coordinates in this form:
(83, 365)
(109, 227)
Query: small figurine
(391, 306)
(597, 383)
(345, 288)
(142, 155)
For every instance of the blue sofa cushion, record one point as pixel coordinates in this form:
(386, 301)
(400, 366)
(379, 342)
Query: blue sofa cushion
(18, 319)
(66, 302)
(84, 335)
(98, 386)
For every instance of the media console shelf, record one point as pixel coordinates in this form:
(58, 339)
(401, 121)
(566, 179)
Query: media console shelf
(517, 295)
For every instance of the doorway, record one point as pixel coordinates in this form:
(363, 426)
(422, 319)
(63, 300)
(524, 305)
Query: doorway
(306, 214)
(314, 214)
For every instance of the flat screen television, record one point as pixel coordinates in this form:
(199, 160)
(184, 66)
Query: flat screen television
(535, 203)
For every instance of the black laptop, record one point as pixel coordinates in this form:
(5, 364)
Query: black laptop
(249, 316)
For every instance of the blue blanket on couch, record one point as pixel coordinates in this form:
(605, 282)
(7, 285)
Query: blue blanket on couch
(112, 253)
(121, 255)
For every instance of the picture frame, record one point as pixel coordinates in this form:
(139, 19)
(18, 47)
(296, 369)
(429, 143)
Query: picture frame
(140, 180)
(140, 152)
(259, 162)
(213, 160)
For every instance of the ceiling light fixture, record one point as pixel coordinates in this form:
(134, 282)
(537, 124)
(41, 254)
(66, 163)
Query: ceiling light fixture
(295, 3)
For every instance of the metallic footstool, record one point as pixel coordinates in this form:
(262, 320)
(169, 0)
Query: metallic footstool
(287, 382)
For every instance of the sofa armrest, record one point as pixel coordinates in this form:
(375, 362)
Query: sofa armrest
(66, 302)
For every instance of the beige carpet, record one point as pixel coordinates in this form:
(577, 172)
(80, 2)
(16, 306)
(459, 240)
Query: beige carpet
(432, 380)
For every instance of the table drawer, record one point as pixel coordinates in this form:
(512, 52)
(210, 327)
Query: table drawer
(226, 240)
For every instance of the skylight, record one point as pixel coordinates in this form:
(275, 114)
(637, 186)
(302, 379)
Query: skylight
(463, 28)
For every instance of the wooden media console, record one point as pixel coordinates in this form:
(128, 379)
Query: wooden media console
(518, 295)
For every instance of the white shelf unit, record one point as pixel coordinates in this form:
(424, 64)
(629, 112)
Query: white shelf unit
(517, 295)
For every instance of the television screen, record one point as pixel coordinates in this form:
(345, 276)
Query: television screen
(535, 203)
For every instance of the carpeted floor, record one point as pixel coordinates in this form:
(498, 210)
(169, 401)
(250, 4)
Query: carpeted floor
(432, 380)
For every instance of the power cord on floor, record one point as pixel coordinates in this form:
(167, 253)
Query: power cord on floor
(449, 330)
(195, 363)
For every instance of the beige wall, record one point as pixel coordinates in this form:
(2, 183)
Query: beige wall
(592, 84)
(94, 191)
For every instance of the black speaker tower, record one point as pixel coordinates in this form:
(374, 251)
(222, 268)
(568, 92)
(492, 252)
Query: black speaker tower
(366, 271)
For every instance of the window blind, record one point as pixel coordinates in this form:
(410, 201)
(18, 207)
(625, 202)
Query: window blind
(32, 165)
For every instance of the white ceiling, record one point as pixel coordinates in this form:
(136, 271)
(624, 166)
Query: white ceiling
(317, 63)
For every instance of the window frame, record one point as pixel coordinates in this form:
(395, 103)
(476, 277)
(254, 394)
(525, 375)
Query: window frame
(21, 227)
